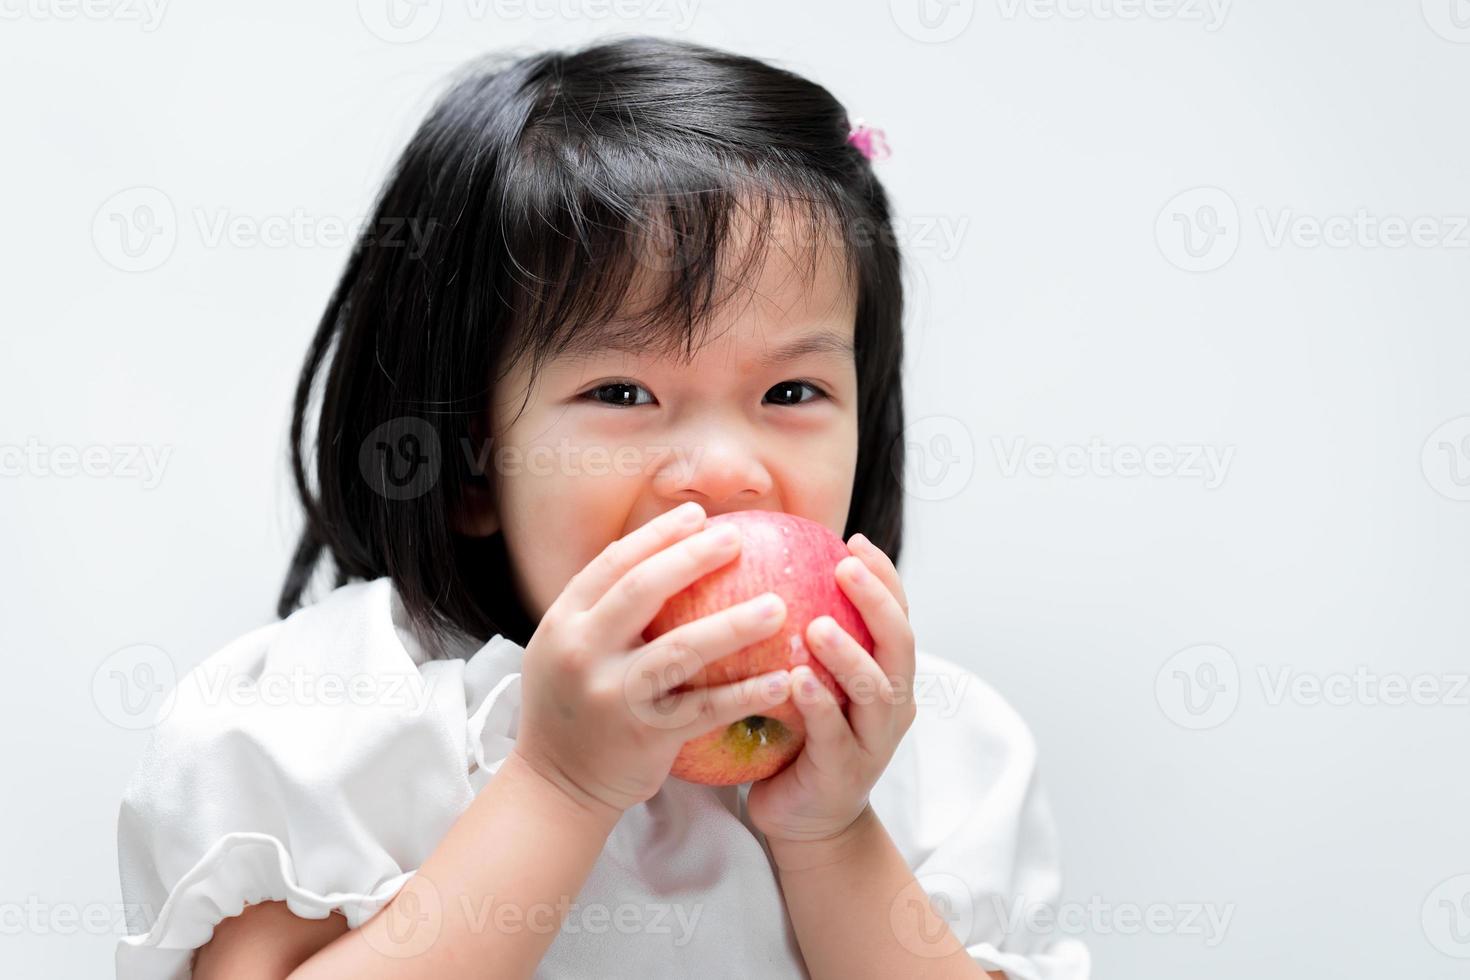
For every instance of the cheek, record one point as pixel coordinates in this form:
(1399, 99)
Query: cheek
(816, 481)
(835, 463)
(557, 515)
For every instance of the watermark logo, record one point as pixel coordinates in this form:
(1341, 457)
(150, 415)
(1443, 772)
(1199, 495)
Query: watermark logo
(932, 21)
(938, 458)
(1198, 230)
(134, 688)
(1450, 19)
(932, 913)
(135, 230)
(410, 923)
(400, 21)
(1445, 459)
(1198, 687)
(1446, 917)
(401, 458)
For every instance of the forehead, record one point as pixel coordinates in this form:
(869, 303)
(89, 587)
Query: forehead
(784, 291)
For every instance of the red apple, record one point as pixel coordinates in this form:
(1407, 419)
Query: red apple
(797, 559)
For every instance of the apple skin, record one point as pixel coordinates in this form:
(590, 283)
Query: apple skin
(795, 558)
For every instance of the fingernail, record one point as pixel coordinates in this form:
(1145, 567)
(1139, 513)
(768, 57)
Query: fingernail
(687, 513)
(768, 607)
(726, 535)
(808, 684)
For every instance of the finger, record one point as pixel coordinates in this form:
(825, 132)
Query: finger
(828, 733)
(893, 645)
(593, 581)
(869, 691)
(681, 653)
(634, 599)
(725, 704)
(882, 566)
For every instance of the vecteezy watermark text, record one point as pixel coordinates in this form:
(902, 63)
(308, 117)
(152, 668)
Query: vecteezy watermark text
(147, 14)
(1190, 461)
(37, 917)
(126, 461)
(137, 229)
(407, 21)
(1098, 917)
(1210, 13)
(1200, 687)
(1200, 229)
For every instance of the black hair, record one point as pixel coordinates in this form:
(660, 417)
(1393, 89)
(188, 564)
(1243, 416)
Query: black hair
(510, 227)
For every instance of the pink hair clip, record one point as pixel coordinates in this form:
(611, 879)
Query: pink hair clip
(869, 141)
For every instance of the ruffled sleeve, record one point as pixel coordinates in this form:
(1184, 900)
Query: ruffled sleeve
(316, 761)
(963, 802)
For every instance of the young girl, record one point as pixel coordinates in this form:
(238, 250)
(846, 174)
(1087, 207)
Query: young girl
(606, 294)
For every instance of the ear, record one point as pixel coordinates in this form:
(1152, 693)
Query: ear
(479, 516)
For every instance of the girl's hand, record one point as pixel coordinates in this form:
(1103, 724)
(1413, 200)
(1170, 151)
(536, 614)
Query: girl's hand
(597, 716)
(825, 790)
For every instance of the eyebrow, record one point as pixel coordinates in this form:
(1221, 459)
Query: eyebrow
(820, 342)
(816, 342)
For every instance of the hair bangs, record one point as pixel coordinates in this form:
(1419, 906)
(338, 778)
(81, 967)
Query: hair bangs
(618, 250)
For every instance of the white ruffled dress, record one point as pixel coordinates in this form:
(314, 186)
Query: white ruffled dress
(319, 760)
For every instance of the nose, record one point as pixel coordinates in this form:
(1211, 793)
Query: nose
(721, 470)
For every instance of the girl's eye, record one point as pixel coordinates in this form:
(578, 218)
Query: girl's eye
(621, 394)
(624, 394)
(789, 392)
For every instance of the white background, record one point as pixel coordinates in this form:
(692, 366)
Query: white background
(1141, 623)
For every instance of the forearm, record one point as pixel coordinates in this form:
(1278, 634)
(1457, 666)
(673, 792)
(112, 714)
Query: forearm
(490, 898)
(859, 912)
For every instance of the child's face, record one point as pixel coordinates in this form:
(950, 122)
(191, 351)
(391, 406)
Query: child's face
(586, 463)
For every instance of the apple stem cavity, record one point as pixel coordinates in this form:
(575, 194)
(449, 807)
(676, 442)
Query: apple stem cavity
(753, 732)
